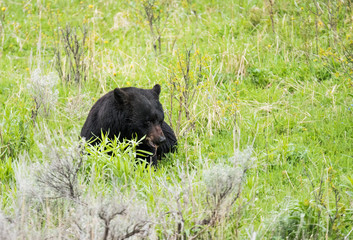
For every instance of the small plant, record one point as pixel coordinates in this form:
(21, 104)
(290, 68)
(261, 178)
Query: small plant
(199, 206)
(123, 221)
(259, 77)
(43, 92)
(321, 215)
(16, 135)
(61, 175)
(156, 13)
(114, 160)
(224, 186)
(255, 16)
(61, 181)
(7, 228)
(71, 62)
(185, 79)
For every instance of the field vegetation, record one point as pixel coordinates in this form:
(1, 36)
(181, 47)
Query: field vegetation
(259, 93)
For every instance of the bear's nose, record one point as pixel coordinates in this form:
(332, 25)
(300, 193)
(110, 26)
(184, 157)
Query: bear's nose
(161, 139)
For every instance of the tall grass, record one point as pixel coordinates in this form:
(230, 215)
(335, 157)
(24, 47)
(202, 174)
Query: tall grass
(272, 75)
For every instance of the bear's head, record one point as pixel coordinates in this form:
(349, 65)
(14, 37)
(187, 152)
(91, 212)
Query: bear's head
(143, 113)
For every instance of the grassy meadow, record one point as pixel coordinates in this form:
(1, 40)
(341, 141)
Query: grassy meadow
(258, 92)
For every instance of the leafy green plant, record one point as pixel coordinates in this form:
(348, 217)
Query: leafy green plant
(114, 161)
(15, 133)
(259, 77)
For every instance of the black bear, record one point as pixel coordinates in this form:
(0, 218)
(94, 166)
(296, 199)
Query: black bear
(128, 113)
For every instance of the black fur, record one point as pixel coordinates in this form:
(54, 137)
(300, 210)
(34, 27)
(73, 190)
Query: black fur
(129, 113)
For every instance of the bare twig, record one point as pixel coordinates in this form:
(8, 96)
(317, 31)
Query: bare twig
(107, 217)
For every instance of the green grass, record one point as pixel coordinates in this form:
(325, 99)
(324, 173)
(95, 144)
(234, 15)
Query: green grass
(288, 94)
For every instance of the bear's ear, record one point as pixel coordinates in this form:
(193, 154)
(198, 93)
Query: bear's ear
(157, 89)
(121, 96)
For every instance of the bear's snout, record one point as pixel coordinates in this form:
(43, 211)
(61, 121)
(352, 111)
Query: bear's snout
(156, 136)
